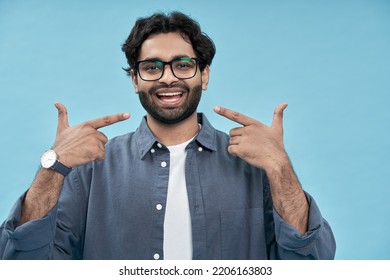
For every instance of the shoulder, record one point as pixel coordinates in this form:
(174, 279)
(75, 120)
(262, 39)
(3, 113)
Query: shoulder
(120, 140)
(222, 143)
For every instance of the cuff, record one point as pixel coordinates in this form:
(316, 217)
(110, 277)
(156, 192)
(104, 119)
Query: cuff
(33, 234)
(291, 239)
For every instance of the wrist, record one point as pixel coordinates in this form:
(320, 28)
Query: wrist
(49, 160)
(278, 164)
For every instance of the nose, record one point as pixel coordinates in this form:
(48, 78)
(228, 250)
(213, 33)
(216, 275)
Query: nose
(168, 77)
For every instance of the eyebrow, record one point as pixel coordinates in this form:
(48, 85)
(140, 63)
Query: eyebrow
(175, 57)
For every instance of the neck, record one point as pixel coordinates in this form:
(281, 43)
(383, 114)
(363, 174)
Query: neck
(174, 134)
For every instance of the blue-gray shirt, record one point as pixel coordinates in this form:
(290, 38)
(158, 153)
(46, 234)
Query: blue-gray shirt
(107, 209)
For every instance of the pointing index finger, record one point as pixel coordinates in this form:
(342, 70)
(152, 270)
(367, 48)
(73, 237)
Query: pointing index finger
(234, 116)
(108, 120)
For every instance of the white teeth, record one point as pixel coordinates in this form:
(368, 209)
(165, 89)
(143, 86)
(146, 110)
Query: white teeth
(169, 93)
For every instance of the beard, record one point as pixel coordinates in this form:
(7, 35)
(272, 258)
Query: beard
(171, 115)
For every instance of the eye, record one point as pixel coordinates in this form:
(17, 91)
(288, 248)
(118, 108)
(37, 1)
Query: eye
(151, 66)
(184, 64)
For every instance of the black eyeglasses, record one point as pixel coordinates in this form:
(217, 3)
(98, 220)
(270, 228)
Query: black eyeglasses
(153, 69)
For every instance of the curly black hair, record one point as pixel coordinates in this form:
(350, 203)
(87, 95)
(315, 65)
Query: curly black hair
(164, 23)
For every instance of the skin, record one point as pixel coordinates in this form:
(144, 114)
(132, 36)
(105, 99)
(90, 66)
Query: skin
(262, 146)
(252, 141)
(74, 145)
(166, 47)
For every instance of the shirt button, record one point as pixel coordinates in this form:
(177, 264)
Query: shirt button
(156, 256)
(152, 151)
(200, 149)
(163, 164)
(158, 207)
(159, 145)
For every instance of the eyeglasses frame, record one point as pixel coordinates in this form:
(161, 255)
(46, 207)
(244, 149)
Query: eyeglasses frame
(137, 63)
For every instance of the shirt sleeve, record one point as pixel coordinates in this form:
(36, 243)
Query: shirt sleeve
(317, 243)
(32, 240)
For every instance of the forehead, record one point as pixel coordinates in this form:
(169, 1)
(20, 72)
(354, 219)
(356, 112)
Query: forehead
(165, 46)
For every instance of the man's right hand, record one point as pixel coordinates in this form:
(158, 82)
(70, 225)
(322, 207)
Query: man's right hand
(79, 144)
(74, 145)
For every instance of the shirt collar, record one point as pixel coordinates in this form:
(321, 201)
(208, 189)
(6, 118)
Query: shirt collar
(207, 134)
(145, 139)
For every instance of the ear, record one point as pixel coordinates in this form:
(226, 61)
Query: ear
(205, 77)
(134, 79)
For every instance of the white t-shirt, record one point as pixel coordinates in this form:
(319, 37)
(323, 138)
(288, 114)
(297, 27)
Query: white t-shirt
(177, 222)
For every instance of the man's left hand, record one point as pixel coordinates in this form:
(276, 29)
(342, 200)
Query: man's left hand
(262, 146)
(256, 143)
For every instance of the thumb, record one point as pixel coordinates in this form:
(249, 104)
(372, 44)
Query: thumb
(277, 121)
(62, 117)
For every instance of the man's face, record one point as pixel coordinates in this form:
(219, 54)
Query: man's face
(169, 100)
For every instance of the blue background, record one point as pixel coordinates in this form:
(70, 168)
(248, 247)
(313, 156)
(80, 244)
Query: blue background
(328, 59)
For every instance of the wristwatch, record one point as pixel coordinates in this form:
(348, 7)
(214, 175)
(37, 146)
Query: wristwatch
(49, 161)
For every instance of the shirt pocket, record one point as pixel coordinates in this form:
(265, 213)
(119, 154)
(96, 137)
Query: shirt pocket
(242, 234)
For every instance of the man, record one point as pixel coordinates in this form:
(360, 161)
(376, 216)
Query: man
(176, 188)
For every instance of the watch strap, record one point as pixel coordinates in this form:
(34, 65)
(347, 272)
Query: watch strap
(60, 168)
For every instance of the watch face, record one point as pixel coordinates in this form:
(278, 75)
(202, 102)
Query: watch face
(48, 159)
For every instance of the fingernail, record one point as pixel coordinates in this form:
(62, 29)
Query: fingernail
(126, 115)
(217, 109)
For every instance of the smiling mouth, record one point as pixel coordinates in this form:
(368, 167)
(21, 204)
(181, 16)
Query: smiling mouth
(170, 97)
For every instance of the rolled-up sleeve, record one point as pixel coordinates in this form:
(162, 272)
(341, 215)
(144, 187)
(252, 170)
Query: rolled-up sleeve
(32, 240)
(317, 243)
